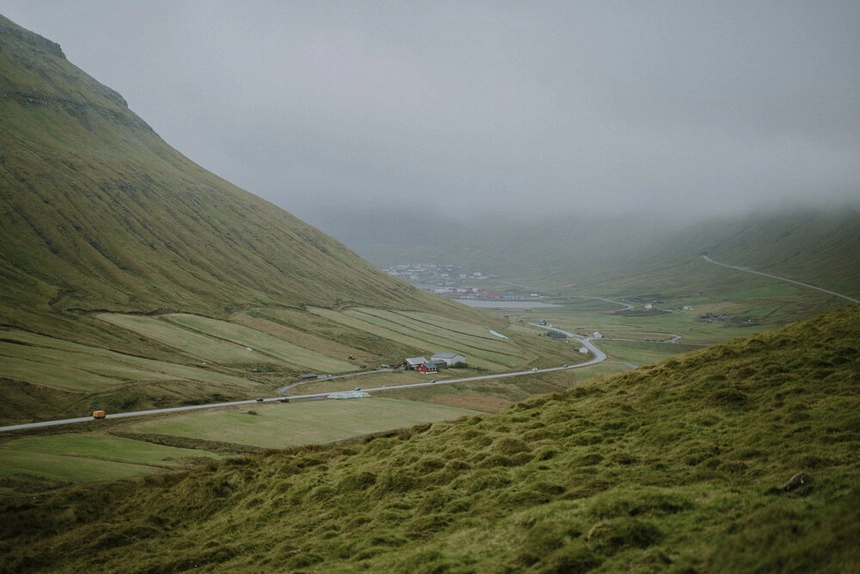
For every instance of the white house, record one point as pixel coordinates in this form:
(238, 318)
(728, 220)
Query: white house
(449, 359)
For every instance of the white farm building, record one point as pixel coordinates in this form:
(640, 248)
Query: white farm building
(449, 359)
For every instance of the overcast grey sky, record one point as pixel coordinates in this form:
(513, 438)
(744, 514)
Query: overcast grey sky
(527, 108)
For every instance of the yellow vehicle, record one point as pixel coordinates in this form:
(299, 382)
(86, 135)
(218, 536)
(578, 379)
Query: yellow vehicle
(99, 414)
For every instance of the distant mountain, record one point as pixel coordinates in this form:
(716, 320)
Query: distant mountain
(626, 255)
(99, 213)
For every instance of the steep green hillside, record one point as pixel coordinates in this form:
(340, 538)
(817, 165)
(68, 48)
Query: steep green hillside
(818, 247)
(99, 213)
(103, 222)
(741, 457)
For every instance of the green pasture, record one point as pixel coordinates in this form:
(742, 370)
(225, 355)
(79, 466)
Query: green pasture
(298, 423)
(61, 364)
(89, 457)
(755, 293)
(412, 340)
(224, 343)
(261, 343)
(187, 341)
(605, 368)
(468, 340)
(79, 458)
(434, 334)
(644, 326)
(434, 323)
(272, 322)
(325, 335)
(641, 353)
(583, 304)
(57, 369)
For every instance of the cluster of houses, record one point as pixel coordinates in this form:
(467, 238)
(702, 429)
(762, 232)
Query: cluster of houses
(475, 293)
(422, 365)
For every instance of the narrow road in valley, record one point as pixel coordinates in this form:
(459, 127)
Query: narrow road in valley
(807, 285)
(597, 357)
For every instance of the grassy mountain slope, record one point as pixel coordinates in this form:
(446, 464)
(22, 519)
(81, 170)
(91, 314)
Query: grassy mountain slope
(814, 246)
(100, 216)
(684, 465)
(99, 213)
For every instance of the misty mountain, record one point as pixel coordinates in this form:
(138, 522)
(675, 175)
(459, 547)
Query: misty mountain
(619, 255)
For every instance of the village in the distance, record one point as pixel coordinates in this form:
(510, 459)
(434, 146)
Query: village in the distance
(448, 280)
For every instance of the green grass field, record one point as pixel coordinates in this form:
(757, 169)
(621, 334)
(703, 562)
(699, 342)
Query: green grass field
(641, 353)
(64, 365)
(276, 346)
(427, 337)
(261, 343)
(96, 456)
(298, 423)
(73, 457)
(201, 346)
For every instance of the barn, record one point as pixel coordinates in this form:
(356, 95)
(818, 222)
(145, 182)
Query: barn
(426, 367)
(449, 359)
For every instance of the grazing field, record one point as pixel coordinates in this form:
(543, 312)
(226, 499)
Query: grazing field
(195, 359)
(64, 365)
(100, 455)
(226, 343)
(274, 323)
(300, 423)
(433, 334)
(485, 349)
(201, 346)
(641, 353)
(261, 343)
(79, 458)
(606, 368)
(639, 324)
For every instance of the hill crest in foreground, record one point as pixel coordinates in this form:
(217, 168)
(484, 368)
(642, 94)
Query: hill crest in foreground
(680, 466)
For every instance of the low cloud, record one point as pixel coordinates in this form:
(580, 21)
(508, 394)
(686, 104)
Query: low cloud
(525, 109)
